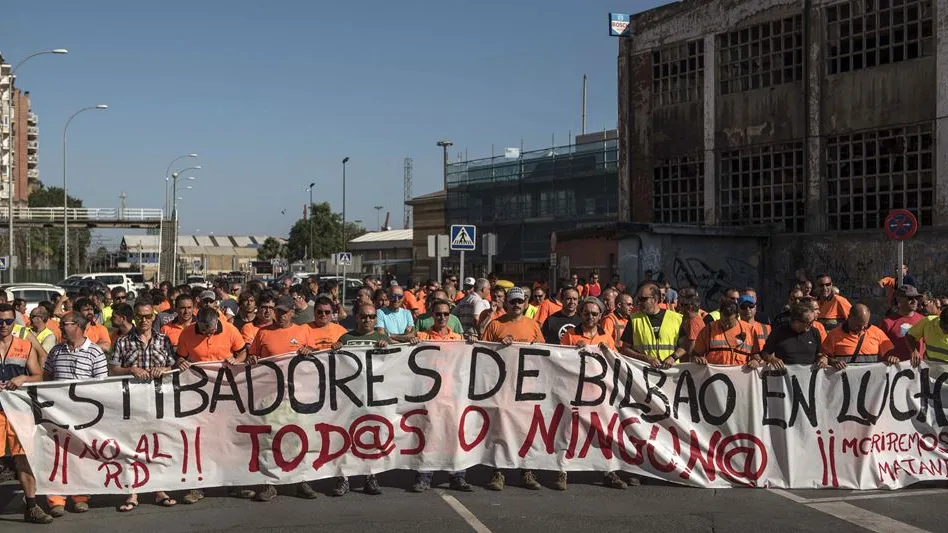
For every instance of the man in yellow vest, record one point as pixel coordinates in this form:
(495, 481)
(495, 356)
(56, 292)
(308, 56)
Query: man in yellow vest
(44, 335)
(653, 334)
(934, 332)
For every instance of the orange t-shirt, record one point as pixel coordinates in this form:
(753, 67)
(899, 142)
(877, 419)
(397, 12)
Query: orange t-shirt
(432, 335)
(414, 303)
(836, 308)
(522, 330)
(324, 337)
(173, 331)
(614, 326)
(273, 340)
(459, 296)
(840, 343)
(547, 307)
(202, 348)
(731, 347)
(163, 306)
(97, 333)
(572, 338)
(53, 325)
(249, 331)
(820, 328)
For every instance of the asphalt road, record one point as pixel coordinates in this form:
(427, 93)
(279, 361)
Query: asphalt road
(586, 506)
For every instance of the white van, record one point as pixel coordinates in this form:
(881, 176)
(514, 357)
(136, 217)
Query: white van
(113, 280)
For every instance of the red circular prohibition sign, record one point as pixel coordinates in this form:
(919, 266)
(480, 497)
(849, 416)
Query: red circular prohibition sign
(900, 225)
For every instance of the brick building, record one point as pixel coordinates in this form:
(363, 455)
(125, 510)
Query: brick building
(810, 120)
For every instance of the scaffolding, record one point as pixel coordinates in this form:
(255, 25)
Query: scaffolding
(524, 197)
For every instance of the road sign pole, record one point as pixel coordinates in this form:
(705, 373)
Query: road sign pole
(461, 270)
(343, 284)
(901, 261)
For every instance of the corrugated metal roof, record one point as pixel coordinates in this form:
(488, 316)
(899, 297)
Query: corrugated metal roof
(385, 236)
(151, 242)
(242, 241)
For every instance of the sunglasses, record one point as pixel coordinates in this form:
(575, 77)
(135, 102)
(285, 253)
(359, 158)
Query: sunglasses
(7, 321)
(396, 296)
(122, 297)
(826, 284)
(748, 306)
(517, 301)
(442, 314)
(322, 312)
(368, 317)
(587, 313)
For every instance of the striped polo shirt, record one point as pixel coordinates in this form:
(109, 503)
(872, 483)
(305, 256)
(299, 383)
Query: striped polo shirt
(86, 361)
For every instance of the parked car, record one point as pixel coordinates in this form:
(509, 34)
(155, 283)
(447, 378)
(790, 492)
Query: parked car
(33, 293)
(196, 281)
(78, 285)
(138, 282)
(111, 280)
(352, 286)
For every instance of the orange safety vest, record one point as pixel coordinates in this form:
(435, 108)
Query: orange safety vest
(723, 351)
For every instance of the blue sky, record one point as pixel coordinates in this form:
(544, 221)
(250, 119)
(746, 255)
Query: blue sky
(273, 95)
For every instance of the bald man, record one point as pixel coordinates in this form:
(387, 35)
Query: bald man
(858, 341)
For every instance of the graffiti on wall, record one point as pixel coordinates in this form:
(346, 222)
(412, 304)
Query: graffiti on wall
(711, 282)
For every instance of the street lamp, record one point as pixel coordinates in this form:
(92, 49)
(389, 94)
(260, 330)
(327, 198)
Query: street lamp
(309, 222)
(174, 217)
(444, 144)
(12, 164)
(344, 246)
(378, 214)
(100, 107)
(168, 174)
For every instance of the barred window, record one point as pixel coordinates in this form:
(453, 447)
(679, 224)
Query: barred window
(678, 73)
(870, 173)
(761, 56)
(865, 33)
(678, 195)
(763, 185)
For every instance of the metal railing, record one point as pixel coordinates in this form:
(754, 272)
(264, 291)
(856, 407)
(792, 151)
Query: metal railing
(82, 214)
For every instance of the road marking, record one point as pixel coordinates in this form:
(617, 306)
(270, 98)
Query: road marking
(896, 494)
(863, 518)
(788, 495)
(837, 507)
(464, 512)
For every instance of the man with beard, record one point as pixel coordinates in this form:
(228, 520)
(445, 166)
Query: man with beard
(564, 320)
(614, 323)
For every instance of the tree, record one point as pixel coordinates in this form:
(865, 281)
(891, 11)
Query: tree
(271, 249)
(46, 244)
(326, 233)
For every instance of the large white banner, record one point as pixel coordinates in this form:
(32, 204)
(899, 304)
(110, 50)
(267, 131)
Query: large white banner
(449, 406)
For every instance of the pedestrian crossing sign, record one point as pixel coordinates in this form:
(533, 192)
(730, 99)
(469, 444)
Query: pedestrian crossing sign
(463, 237)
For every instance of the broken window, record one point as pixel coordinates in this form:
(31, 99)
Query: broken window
(864, 34)
(678, 73)
(761, 56)
(870, 173)
(763, 185)
(678, 190)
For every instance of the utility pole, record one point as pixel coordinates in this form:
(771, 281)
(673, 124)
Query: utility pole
(444, 144)
(378, 217)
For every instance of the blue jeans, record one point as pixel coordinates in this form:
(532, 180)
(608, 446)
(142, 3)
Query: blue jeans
(426, 476)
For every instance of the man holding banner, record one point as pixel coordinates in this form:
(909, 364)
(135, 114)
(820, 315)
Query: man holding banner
(144, 355)
(20, 365)
(75, 358)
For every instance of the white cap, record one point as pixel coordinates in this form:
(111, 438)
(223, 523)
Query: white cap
(469, 282)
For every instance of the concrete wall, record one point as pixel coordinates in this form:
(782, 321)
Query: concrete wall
(857, 261)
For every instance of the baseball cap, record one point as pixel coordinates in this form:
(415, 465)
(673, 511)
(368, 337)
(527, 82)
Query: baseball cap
(207, 295)
(469, 282)
(285, 303)
(746, 299)
(907, 291)
(515, 293)
(393, 283)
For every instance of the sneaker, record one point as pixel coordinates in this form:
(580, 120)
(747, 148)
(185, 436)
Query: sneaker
(268, 493)
(372, 486)
(530, 481)
(496, 482)
(243, 494)
(421, 484)
(634, 481)
(193, 497)
(303, 490)
(613, 481)
(560, 481)
(36, 515)
(461, 484)
(342, 487)
(80, 507)
(57, 511)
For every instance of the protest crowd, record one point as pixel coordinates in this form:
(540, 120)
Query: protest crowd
(93, 335)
